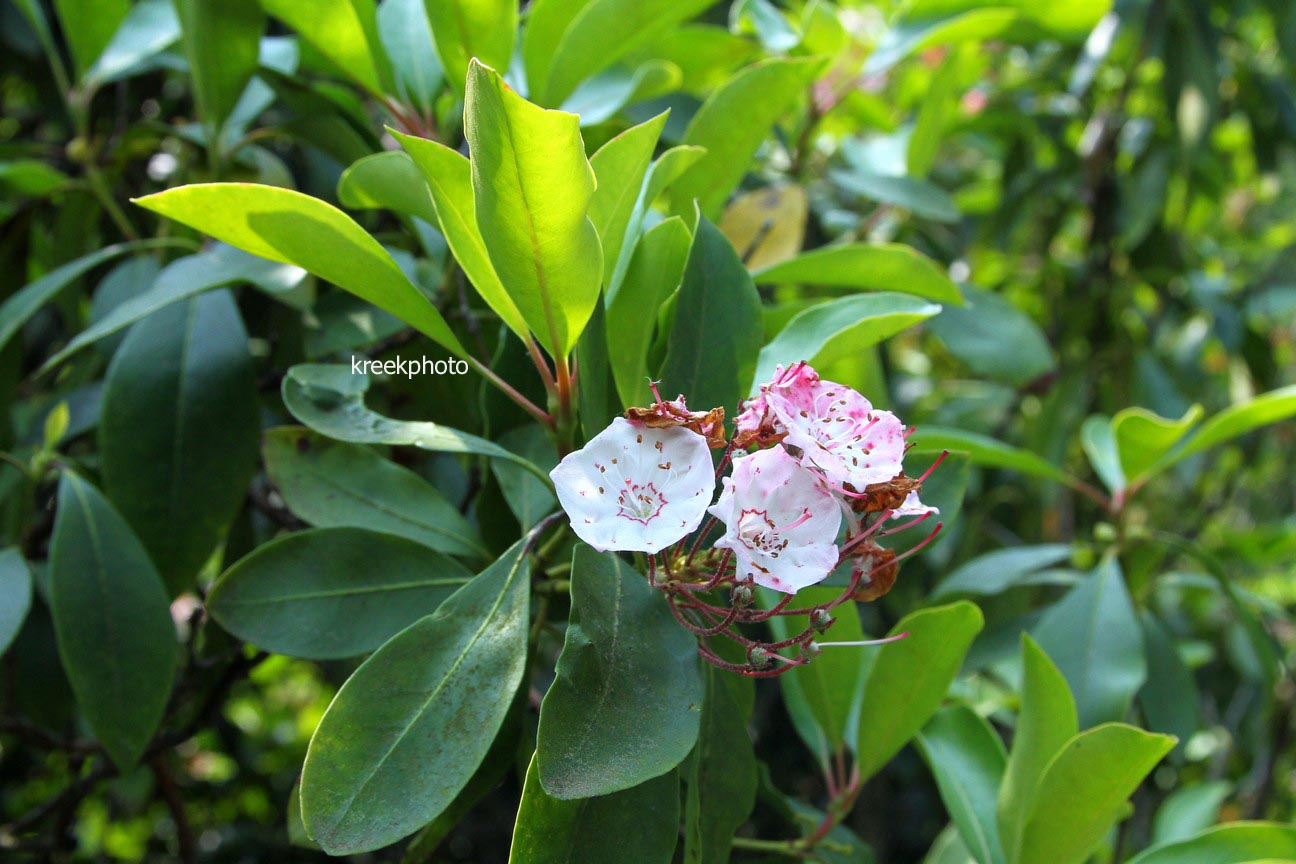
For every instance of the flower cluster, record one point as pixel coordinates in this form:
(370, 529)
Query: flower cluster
(816, 478)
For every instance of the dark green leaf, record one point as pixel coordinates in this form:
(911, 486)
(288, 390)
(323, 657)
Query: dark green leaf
(967, 758)
(15, 595)
(721, 775)
(998, 571)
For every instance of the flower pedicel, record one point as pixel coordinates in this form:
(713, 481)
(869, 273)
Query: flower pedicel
(807, 458)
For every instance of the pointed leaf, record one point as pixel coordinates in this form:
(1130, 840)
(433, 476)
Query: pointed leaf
(344, 31)
(722, 774)
(620, 167)
(1143, 438)
(222, 41)
(869, 267)
(15, 594)
(967, 758)
(468, 29)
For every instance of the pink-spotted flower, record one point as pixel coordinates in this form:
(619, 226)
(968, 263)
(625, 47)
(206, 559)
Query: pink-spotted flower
(636, 488)
(780, 521)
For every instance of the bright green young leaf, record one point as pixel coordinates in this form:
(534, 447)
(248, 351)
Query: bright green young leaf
(533, 187)
(907, 37)
(334, 484)
(183, 279)
(1046, 722)
(1099, 442)
(89, 25)
(468, 29)
(1271, 407)
(731, 125)
(148, 29)
(1143, 438)
(626, 666)
(987, 451)
(344, 31)
(449, 177)
(112, 619)
(716, 334)
(406, 36)
(222, 41)
(994, 338)
(1234, 843)
(840, 328)
(640, 824)
(909, 679)
(19, 307)
(997, 571)
(721, 774)
(620, 167)
(332, 592)
(669, 167)
(408, 729)
(15, 594)
(178, 435)
(330, 400)
(656, 268)
(293, 228)
(389, 181)
(1093, 635)
(867, 267)
(1084, 790)
(967, 759)
(934, 112)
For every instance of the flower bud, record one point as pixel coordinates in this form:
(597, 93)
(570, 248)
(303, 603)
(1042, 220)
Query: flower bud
(742, 595)
(820, 620)
(759, 657)
(810, 650)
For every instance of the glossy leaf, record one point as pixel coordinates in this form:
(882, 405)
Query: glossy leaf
(410, 726)
(1099, 444)
(639, 824)
(1271, 407)
(909, 678)
(1094, 637)
(716, 335)
(994, 339)
(330, 400)
(178, 434)
(149, 28)
(467, 29)
(293, 228)
(406, 36)
(722, 774)
(533, 187)
(89, 26)
(620, 167)
(967, 759)
(984, 450)
(1000, 570)
(15, 595)
(332, 592)
(626, 666)
(1189, 810)
(332, 484)
(1084, 790)
(222, 41)
(344, 31)
(869, 267)
(528, 498)
(1143, 437)
(840, 328)
(112, 621)
(390, 181)
(1235, 843)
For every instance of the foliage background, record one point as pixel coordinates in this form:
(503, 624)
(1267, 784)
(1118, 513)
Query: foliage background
(1111, 188)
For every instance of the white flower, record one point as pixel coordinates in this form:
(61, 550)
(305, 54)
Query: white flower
(635, 488)
(912, 507)
(781, 522)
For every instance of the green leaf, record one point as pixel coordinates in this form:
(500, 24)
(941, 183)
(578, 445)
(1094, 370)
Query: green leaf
(939, 102)
(1237, 420)
(823, 696)
(293, 228)
(183, 279)
(1094, 637)
(1170, 698)
(178, 433)
(911, 36)
(717, 330)
(528, 498)
(468, 29)
(1099, 442)
(89, 25)
(332, 484)
(841, 328)
(1235, 843)
(222, 40)
(967, 759)
(533, 189)
(410, 726)
(722, 774)
(330, 400)
(1000, 570)
(995, 339)
(31, 178)
(626, 667)
(949, 848)
(1143, 438)
(332, 592)
(656, 268)
(449, 177)
(148, 29)
(908, 193)
(406, 35)
(867, 267)
(732, 124)
(345, 32)
(112, 620)
(1189, 810)
(1046, 722)
(909, 679)
(596, 34)
(19, 307)
(640, 824)
(987, 451)
(387, 181)
(15, 594)
(1084, 790)
(620, 167)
